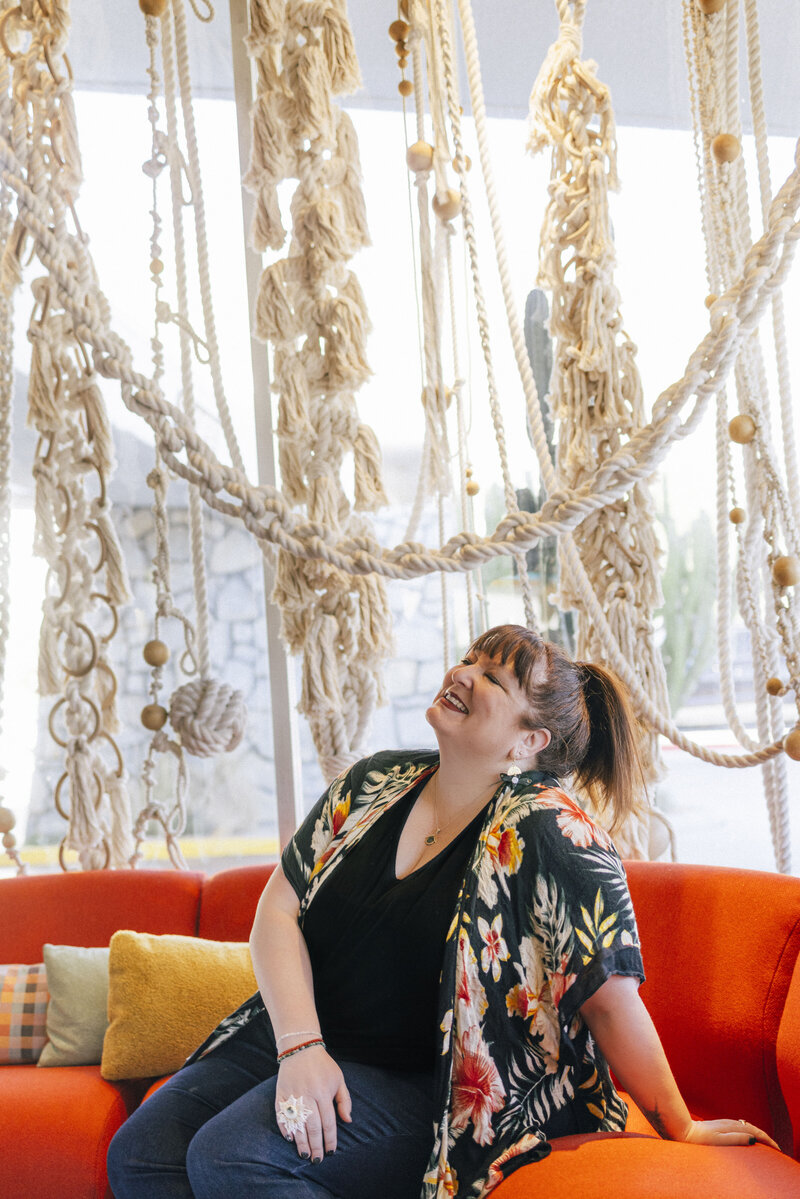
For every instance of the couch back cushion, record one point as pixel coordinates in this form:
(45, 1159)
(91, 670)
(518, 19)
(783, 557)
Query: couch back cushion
(789, 1055)
(719, 948)
(229, 900)
(85, 908)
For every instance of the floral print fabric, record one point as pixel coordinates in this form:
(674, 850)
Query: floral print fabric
(543, 919)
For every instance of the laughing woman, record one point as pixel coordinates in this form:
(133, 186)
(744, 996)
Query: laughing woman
(448, 966)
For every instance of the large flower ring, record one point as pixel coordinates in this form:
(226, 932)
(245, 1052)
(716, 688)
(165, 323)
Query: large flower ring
(293, 1113)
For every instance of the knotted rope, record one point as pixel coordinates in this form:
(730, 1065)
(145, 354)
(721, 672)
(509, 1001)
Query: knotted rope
(595, 389)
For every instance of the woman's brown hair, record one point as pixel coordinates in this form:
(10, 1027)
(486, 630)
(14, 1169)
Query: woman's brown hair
(594, 733)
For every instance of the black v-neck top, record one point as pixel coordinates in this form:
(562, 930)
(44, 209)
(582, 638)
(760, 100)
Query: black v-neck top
(376, 943)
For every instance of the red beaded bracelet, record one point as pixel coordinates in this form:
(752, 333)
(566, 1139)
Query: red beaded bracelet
(299, 1048)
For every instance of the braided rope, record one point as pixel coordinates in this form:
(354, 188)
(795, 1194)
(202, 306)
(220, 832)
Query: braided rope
(443, 43)
(712, 53)
(266, 513)
(595, 389)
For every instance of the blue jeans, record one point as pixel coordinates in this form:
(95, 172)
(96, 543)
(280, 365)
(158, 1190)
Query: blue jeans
(211, 1133)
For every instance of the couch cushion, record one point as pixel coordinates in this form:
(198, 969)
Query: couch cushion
(229, 900)
(77, 1015)
(165, 995)
(736, 934)
(23, 1012)
(788, 1051)
(85, 908)
(628, 1166)
(57, 1125)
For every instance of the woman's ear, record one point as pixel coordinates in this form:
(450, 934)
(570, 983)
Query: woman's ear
(532, 742)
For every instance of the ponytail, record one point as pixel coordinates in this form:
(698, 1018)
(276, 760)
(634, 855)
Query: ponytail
(610, 770)
(594, 733)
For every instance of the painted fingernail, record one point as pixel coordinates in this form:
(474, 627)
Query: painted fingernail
(752, 1141)
(304, 1156)
(316, 1160)
(329, 1152)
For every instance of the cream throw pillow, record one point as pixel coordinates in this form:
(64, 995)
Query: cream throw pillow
(77, 979)
(165, 995)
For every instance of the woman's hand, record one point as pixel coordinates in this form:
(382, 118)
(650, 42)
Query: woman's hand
(315, 1077)
(726, 1132)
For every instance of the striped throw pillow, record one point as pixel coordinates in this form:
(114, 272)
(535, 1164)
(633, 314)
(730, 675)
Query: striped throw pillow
(23, 1013)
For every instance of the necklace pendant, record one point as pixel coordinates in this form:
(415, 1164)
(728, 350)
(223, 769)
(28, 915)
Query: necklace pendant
(431, 840)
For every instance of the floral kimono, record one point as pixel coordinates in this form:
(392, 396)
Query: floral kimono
(543, 918)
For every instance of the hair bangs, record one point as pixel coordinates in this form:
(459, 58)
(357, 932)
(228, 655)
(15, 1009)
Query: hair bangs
(515, 644)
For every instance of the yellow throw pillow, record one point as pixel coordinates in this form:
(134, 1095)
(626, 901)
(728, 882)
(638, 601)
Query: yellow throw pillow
(165, 995)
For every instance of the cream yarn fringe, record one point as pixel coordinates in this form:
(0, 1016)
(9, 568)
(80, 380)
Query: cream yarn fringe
(311, 309)
(595, 390)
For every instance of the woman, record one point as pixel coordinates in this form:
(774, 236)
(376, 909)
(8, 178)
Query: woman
(448, 965)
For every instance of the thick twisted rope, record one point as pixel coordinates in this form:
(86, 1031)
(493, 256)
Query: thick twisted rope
(269, 517)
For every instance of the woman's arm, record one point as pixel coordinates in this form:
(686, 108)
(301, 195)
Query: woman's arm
(621, 1026)
(283, 973)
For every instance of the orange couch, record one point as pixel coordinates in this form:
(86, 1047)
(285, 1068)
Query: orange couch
(721, 949)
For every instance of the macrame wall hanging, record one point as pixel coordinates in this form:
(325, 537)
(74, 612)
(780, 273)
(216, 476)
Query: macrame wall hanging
(310, 307)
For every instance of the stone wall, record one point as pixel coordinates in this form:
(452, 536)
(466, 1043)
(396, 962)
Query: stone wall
(234, 794)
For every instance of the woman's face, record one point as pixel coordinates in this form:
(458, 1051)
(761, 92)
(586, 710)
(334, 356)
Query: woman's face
(480, 709)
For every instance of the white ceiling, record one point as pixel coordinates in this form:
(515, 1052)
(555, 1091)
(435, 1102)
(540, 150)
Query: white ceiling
(637, 44)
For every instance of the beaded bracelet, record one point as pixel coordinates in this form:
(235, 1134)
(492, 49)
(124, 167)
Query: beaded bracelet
(302, 1032)
(299, 1048)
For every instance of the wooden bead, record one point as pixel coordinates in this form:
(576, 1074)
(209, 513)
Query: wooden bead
(7, 820)
(737, 516)
(419, 157)
(707, 7)
(742, 429)
(791, 744)
(447, 206)
(725, 147)
(786, 571)
(154, 717)
(710, 299)
(153, 8)
(9, 840)
(156, 653)
(402, 61)
(399, 31)
(775, 686)
(467, 163)
(401, 49)
(472, 487)
(156, 266)
(405, 87)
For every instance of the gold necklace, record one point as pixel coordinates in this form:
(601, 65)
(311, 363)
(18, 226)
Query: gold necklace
(440, 828)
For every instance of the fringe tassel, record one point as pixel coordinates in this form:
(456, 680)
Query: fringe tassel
(267, 230)
(50, 671)
(267, 23)
(340, 51)
(293, 420)
(274, 320)
(292, 462)
(117, 585)
(85, 831)
(322, 233)
(270, 152)
(43, 411)
(97, 426)
(310, 85)
(120, 839)
(369, 493)
(11, 266)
